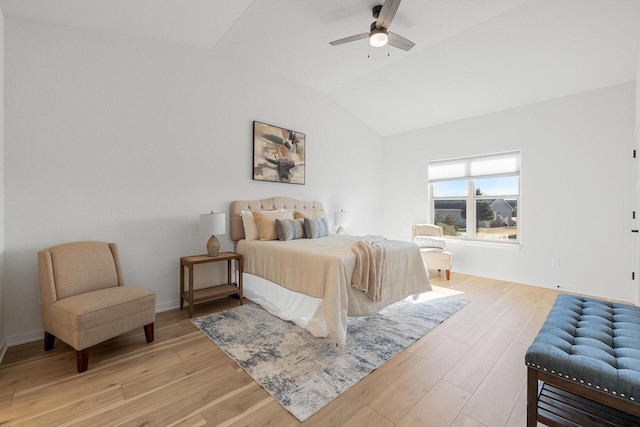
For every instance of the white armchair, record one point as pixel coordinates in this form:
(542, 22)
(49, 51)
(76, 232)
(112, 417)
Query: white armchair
(434, 257)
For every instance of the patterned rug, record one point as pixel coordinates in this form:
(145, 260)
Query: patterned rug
(305, 373)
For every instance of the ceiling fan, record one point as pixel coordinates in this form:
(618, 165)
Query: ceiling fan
(379, 34)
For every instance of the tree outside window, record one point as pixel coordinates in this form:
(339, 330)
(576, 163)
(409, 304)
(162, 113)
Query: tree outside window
(475, 191)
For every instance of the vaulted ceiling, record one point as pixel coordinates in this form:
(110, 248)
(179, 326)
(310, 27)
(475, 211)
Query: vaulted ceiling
(471, 56)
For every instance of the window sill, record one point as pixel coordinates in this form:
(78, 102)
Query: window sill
(485, 244)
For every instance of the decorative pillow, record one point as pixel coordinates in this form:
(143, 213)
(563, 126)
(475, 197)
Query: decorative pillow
(249, 225)
(289, 229)
(316, 227)
(309, 213)
(266, 222)
(430, 242)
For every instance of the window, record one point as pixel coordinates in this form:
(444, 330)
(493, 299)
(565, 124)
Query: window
(477, 198)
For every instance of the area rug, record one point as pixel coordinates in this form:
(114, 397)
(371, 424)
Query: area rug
(305, 373)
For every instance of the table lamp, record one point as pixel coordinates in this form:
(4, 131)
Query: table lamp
(341, 220)
(213, 223)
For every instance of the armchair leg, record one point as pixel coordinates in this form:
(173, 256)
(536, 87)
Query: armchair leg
(148, 332)
(49, 339)
(448, 274)
(82, 358)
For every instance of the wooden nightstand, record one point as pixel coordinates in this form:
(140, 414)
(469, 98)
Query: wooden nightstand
(212, 292)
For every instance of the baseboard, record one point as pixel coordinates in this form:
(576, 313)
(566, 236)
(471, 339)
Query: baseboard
(166, 306)
(25, 338)
(37, 335)
(3, 348)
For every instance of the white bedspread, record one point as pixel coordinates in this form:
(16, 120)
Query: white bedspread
(323, 268)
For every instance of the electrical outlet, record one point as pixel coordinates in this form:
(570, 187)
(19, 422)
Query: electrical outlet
(555, 262)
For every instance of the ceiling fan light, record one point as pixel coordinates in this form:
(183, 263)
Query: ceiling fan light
(378, 37)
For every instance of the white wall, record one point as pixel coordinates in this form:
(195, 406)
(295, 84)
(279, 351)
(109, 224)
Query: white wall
(576, 189)
(124, 139)
(636, 237)
(637, 132)
(3, 340)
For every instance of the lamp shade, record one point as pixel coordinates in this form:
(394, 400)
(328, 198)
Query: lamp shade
(213, 223)
(341, 219)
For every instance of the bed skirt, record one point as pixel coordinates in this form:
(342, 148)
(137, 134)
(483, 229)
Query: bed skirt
(303, 310)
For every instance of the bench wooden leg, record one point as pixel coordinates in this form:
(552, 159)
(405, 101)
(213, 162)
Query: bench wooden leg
(532, 397)
(148, 332)
(448, 274)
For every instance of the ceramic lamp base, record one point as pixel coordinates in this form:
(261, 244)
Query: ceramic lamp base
(213, 246)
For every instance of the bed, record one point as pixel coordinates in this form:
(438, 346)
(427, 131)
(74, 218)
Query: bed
(308, 280)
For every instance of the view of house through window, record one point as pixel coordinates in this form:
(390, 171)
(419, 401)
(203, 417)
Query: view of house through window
(476, 198)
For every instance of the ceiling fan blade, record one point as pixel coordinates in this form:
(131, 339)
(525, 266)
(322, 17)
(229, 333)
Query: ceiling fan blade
(388, 11)
(400, 42)
(349, 39)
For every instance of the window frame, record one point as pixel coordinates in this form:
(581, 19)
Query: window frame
(471, 234)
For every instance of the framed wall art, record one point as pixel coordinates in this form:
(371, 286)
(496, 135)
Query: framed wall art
(278, 154)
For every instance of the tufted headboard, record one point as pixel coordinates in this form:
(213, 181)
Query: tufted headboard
(237, 206)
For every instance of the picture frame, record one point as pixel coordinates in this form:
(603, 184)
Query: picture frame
(279, 154)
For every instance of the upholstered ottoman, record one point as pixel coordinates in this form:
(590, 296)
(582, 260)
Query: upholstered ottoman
(584, 365)
(438, 258)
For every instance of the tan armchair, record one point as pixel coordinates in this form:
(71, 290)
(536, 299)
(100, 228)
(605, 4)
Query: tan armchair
(84, 300)
(433, 257)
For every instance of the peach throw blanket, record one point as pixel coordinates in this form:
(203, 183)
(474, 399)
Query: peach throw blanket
(370, 257)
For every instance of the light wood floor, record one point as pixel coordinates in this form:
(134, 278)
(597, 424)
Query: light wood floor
(468, 371)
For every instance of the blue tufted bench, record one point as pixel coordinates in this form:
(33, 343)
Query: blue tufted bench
(585, 362)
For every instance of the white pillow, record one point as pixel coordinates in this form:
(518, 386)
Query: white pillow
(250, 226)
(430, 242)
